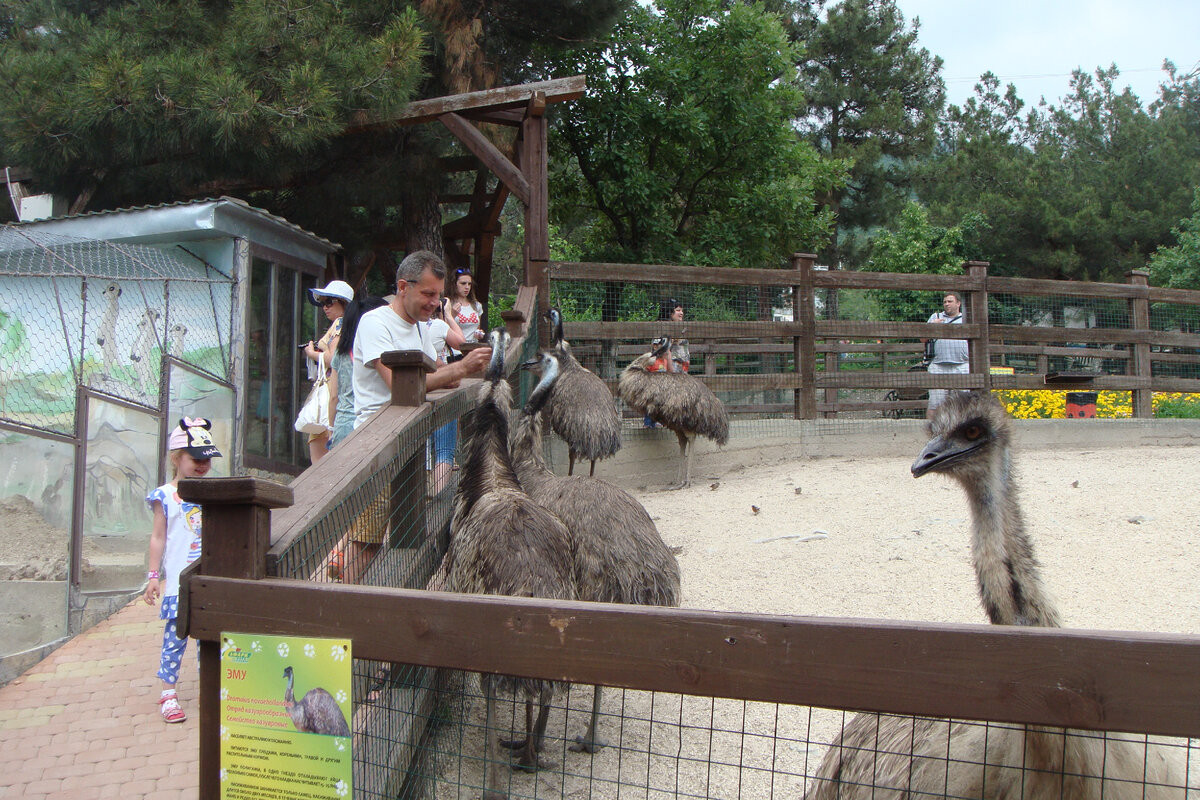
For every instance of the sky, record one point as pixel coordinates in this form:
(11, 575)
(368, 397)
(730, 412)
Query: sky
(1035, 44)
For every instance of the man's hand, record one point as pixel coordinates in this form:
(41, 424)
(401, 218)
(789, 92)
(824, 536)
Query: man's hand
(476, 361)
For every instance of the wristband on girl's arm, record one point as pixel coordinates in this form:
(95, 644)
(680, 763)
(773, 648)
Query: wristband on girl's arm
(152, 574)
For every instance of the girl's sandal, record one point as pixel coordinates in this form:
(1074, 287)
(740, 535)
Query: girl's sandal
(171, 710)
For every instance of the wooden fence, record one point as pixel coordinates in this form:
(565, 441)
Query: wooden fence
(816, 347)
(1134, 682)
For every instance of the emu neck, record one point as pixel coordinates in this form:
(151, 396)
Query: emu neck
(526, 449)
(1009, 576)
(486, 465)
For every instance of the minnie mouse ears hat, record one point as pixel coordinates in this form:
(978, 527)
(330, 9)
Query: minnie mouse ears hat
(339, 290)
(193, 435)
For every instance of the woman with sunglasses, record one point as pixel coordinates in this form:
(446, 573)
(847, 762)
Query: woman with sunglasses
(332, 299)
(467, 310)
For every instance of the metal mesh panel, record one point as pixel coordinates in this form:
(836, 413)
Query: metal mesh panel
(102, 315)
(668, 745)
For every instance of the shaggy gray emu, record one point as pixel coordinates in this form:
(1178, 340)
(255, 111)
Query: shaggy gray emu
(504, 543)
(317, 712)
(896, 757)
(582, 410)
(675, 400)
(619, 555)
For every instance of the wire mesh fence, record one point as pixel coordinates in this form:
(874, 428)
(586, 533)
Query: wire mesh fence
(662, 745)
(854, 344)
(102, 315)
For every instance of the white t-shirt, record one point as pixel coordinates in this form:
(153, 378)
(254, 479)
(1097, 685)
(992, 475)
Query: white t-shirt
(467, 318)
(183, 535)
(438, 328)
(379, 331)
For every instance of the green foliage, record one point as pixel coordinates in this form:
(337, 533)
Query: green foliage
(1184, 407)
(683, 149)
(916, 247)
(1084, 190)
(873, 99)
(1178, 267)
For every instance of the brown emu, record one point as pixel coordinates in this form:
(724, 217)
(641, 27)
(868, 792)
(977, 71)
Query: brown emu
(894, 757)
(504, 543)
(582, 410)
(619, 555)
(675, 400)
(317, 712)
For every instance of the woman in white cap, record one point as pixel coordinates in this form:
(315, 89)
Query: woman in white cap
(333, 299)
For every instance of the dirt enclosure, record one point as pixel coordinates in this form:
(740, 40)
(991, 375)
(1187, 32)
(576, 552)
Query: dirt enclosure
(1115, 530)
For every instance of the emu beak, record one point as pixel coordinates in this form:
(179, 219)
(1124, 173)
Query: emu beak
(940, 454)
(533, 364)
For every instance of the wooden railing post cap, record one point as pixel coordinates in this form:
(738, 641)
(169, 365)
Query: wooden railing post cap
(513, 315)
(394, 359)
(1138, 274)
(245, 490)
(809, 256)
(977, 263)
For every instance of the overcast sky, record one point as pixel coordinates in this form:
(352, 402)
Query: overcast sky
(1036, 43)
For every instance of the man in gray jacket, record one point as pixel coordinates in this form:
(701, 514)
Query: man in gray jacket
(949, 355)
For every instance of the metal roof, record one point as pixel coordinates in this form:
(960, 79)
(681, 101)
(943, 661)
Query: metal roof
(190, 220)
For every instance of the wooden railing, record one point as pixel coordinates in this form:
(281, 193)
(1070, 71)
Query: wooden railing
(813, 342)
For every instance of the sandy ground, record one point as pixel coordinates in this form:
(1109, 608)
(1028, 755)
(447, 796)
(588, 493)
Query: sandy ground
(1116, 532)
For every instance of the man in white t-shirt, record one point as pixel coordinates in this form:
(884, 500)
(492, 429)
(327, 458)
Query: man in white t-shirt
(419, 281)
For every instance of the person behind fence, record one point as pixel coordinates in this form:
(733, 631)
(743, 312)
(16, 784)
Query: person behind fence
(946, 356)
(671, 310)
(175, 543)
(419, 280)
(332, 299)
(467, 310)
(446, 335)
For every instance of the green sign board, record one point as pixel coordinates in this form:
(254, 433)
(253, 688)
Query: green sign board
(285, 711)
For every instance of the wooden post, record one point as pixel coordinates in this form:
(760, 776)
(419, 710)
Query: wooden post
(514, 322)
(979, 351)
(804, 346)
(237, 535)
(1139, 313)
(537, 212)
(409, 368)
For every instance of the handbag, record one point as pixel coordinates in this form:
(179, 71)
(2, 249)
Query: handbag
(314, 414)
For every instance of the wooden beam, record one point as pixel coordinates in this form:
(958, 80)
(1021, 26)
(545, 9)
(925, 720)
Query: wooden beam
(1101, 680)
(506, 97)
(489, 154)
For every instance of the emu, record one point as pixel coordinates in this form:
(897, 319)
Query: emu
(504, 543)
(675, 400)
(581, 409)
(892, 757)
(619, 555)
(317, 712)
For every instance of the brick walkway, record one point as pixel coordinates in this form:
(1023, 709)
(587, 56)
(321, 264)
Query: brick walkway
(84, 722)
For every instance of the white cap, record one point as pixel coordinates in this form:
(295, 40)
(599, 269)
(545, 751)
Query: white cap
(337, 289)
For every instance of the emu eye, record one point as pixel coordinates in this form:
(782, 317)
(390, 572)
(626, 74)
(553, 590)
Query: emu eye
(973, 432)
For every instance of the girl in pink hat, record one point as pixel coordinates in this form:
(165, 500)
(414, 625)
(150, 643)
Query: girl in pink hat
(175, 543)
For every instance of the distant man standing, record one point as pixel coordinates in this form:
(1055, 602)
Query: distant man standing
(419, 281)
(949, 355)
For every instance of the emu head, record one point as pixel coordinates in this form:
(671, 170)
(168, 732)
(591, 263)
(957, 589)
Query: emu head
(498, 341)
(970, 432)
(546, 366)
(554, 317)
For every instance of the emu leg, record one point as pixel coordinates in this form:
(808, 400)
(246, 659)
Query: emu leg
(685, 466)
(570, 462)
(588, 743)
(534, 732)
(592, 473)
(491, 783)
